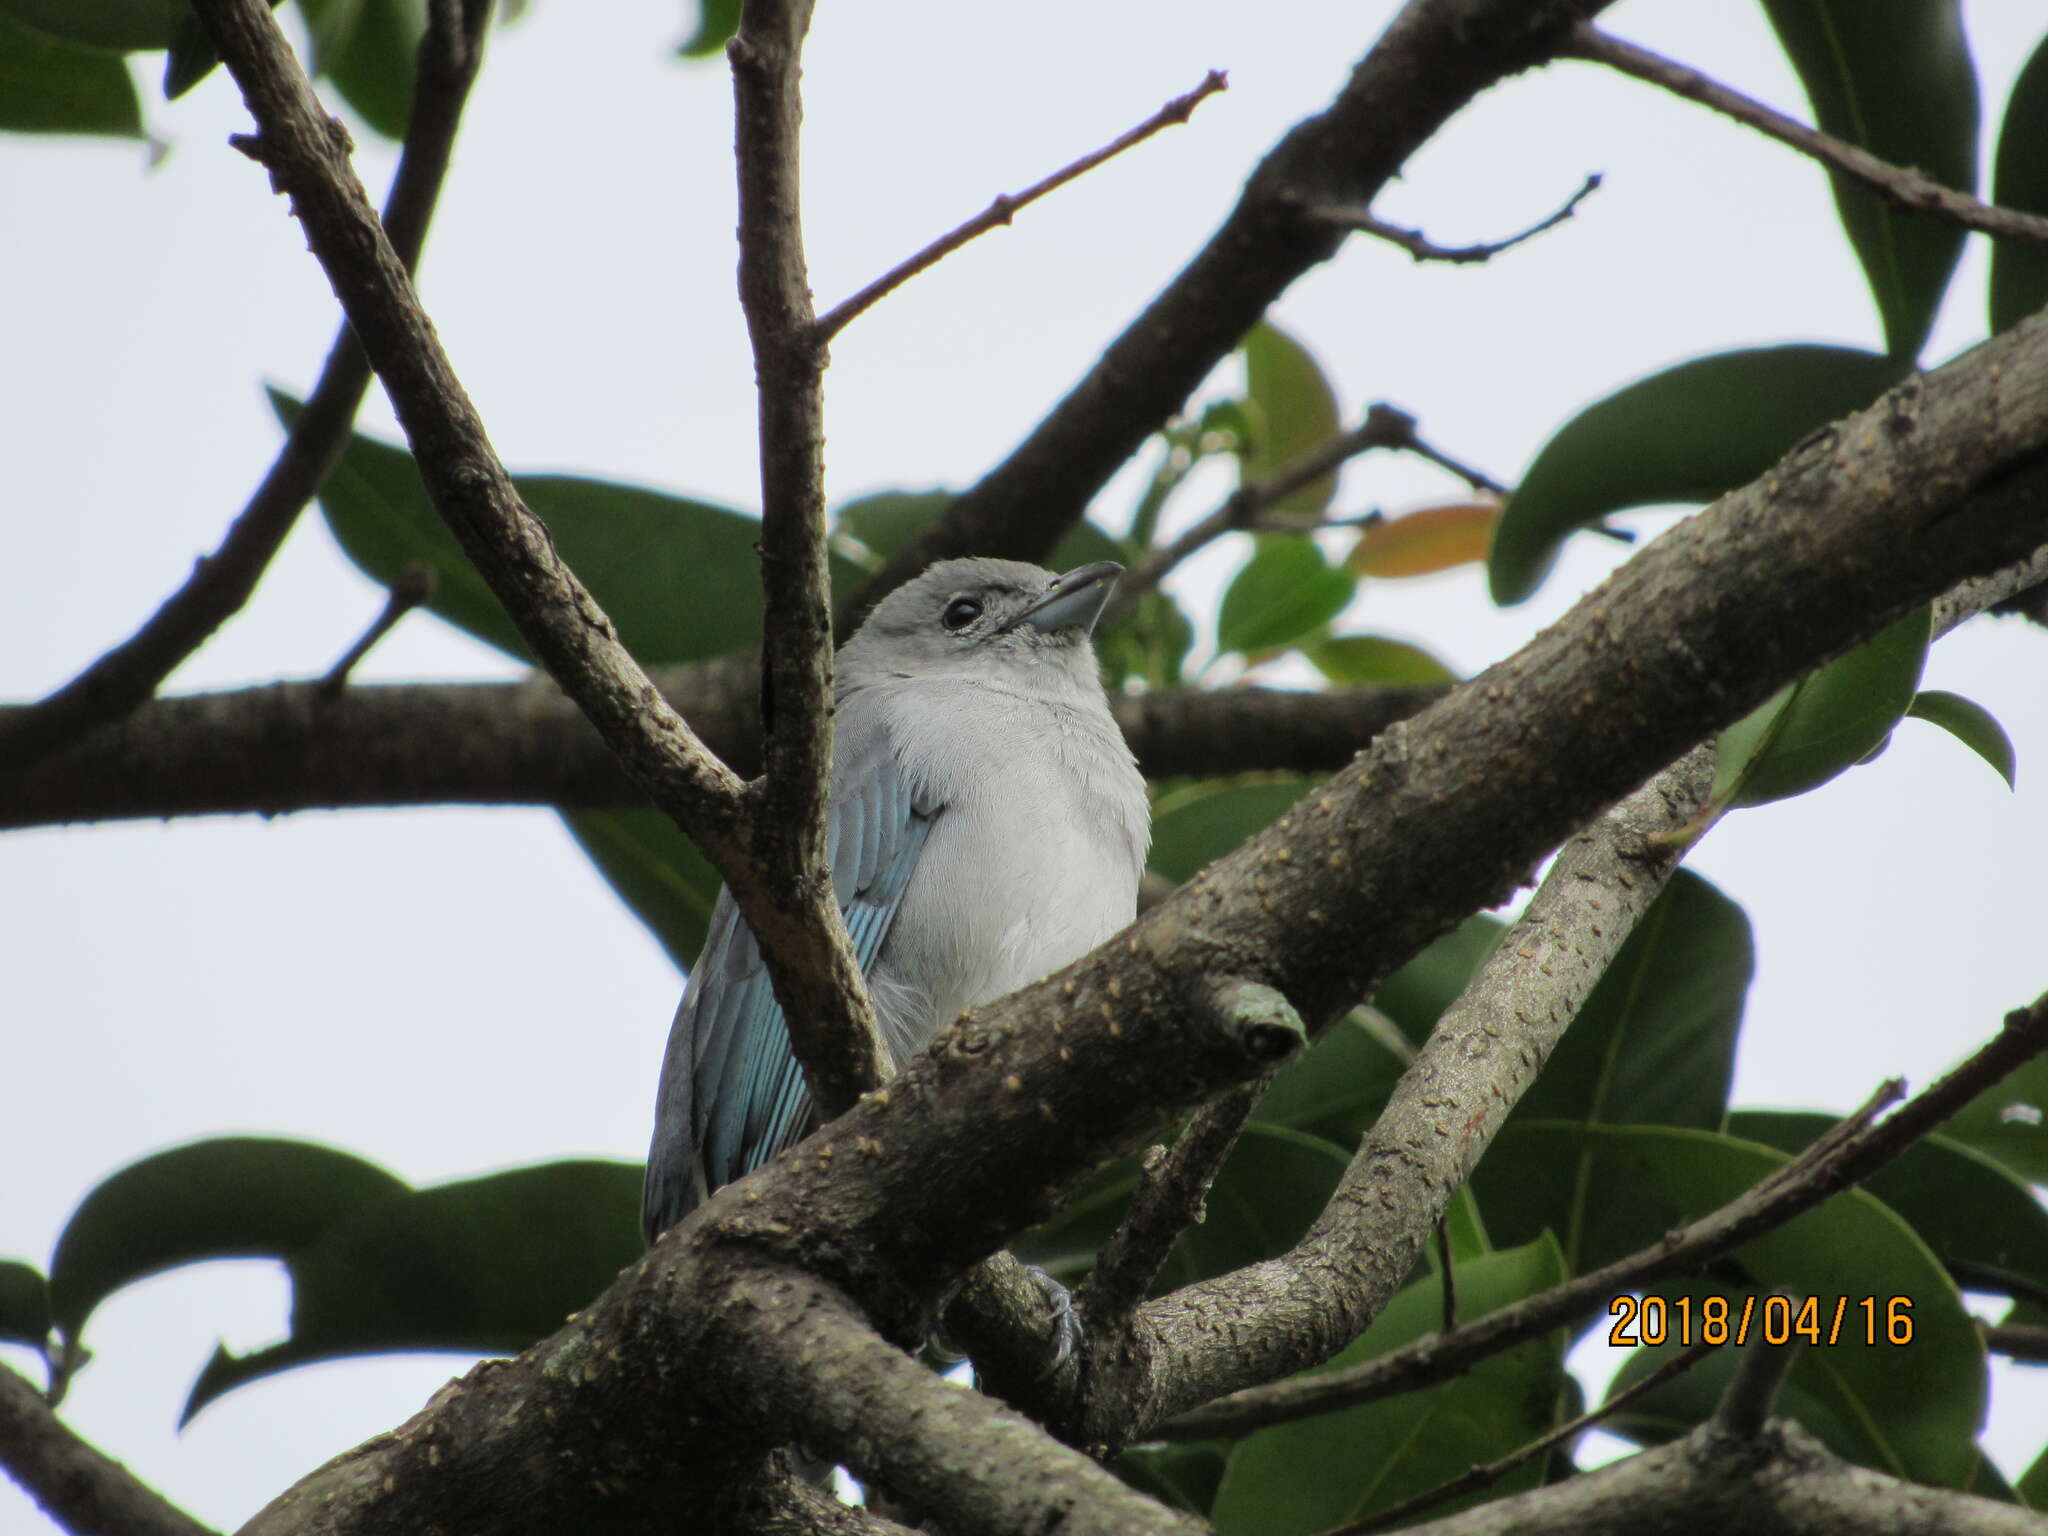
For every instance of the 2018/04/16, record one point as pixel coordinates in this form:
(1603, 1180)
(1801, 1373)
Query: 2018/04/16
(1715, 1320)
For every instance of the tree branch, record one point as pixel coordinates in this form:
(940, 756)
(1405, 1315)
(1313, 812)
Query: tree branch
(289, 747)
(1898, 185)
(819, 983)
(1009, 204)
(77, 1486)
(449, 53)
(1422, 248)
(1432, 60)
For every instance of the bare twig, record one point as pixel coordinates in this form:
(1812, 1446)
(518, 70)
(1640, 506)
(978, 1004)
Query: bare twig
(2020, 1341)
(824, 995)
(1383, 427)
(1173, 1183)
(1898, 185)
(1493, 1471)
(1422, 248)
(79, 1487)
(415, 584)
(220, 583)
(1829, 1165)
(1008, 204)
(1751, 1396)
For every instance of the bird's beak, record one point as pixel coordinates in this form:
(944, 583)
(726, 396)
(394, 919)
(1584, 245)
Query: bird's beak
(1073, 601)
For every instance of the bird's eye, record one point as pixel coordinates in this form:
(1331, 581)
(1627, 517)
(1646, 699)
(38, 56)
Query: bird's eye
(961, 612)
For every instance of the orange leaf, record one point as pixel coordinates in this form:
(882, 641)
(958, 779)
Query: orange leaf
(1434, 539)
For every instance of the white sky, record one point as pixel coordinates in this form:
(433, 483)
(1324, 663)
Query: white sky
(447, 992)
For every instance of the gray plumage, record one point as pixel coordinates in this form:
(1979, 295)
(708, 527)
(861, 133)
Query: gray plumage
(987, 826)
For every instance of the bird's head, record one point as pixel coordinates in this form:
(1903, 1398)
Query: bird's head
(984, 618)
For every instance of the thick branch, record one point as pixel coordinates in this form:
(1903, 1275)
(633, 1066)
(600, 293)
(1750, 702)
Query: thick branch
(1429, 63)
(81, 1489)
(290, 747)
(450, 50)
(818, 981)
(1900, 186)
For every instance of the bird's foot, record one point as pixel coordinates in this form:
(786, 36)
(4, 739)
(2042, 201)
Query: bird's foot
(1062, 1315)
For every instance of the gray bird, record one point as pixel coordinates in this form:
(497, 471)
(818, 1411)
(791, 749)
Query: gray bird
(987, 826)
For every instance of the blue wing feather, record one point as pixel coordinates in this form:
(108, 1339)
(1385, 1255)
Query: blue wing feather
(732, 1094)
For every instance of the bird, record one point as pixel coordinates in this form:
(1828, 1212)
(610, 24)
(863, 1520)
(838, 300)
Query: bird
(987, 824)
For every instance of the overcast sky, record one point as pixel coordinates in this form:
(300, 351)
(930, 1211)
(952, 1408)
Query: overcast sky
(452, 991)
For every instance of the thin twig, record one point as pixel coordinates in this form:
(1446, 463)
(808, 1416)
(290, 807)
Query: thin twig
(1989, 1277)
(824, 995)
(1751, 1396)
(1173, 1183)
(1422, 248)
(1007, 205)
(1493, 1471)
(78, 1486)
(2019, 1341)
(1898, 185)
(1383, 427)
(220, 583)
(1822, 1170)
(415, 584)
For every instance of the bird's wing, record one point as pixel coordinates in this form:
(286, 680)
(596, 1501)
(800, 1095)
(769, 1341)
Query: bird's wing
(732, 1095)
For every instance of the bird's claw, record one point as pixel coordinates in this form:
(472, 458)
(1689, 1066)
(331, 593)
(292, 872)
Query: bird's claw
(1062, 1315)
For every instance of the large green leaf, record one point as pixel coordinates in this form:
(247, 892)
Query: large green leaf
(1273, 1184)
(367, 48)
(1339, 1467)
(1911, 1412)
(1291, 408)
(1198, 822)
(2032, 1487)
(2008, 1122)
(1827, 722)
(679, 578)
(717, 20)
(1655, 1042)
(881, 523)
(1376, 661)
(1422, 989)
(25, 1316)
(1968, 1208)
(1178, 1476)
(233, 1197)
(485, 1265)
(1971, 724)
(1686, 435)
(49, 86)
(656, 871)
(2019, 179)
(118, 26)
(1895, 77)
(1284, 593)
(1336, 1088)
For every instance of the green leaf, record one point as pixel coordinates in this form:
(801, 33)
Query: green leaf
(1196, 823)
(1339, 1467)
(1655, 1042)
(1912, 1412)
(2019, 179)
(1894, 77)
(880, 524)
(1151, 643)
(1271, 1187)
(2032, 1487)
(657, 872)
(1971, 724)
(2008, 1122)
(679, 578)
(47, 86)
(1292, 409)
(1827, 722)
(1286, 590)
(1967, 1207)
(1685, 435)
(1375, 661)
(232, 1197)
(1178, 1476)
(114, 26)
(717, 20)
(191, 58)
(486, 1266)
(368, 49)
(25, 1316)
